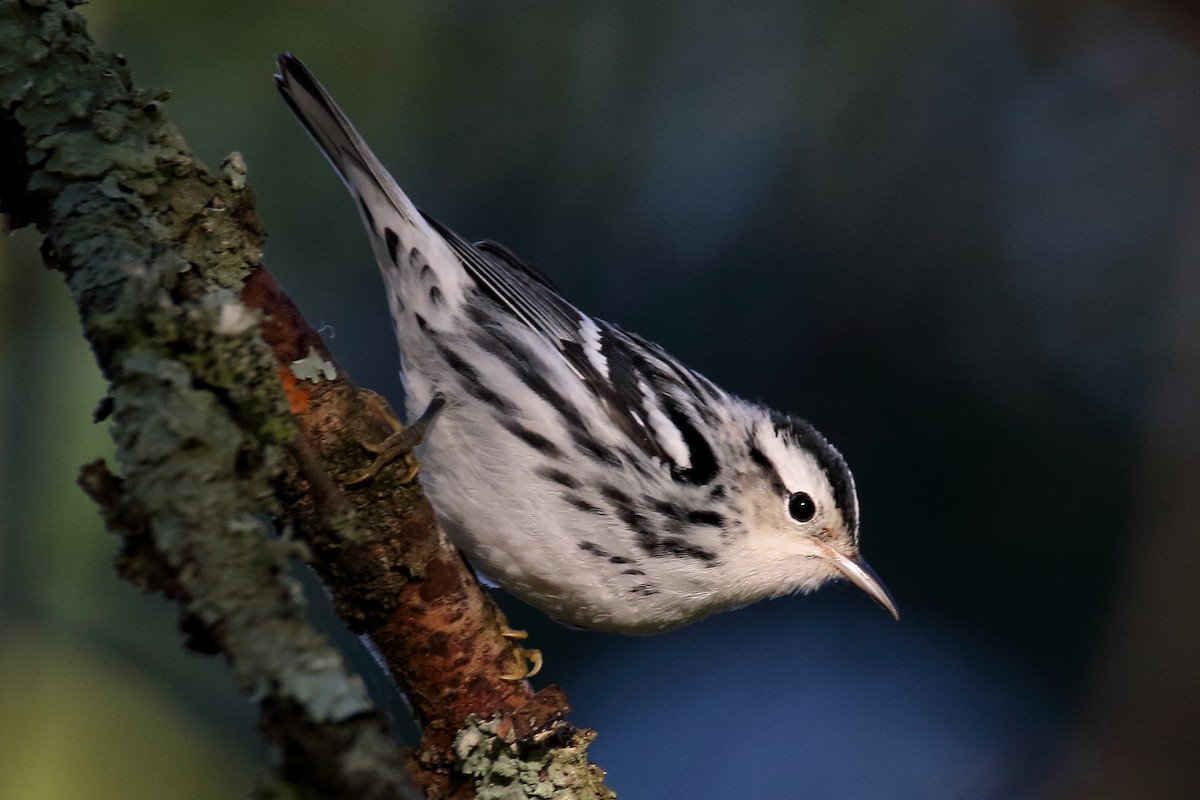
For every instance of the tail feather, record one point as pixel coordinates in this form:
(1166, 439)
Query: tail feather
(399, 232)
(336, 136)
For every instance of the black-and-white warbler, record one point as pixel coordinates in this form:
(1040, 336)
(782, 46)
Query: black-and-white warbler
(580, 466)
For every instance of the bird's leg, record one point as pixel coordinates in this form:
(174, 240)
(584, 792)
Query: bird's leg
(400, 443)
(529, 662)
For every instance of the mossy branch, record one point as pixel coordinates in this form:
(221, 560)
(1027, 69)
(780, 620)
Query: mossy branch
(227, 410)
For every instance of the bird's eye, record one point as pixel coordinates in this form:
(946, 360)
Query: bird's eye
(801, 507)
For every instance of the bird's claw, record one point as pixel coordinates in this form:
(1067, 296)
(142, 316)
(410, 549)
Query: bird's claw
(529, 662)
(400, 443)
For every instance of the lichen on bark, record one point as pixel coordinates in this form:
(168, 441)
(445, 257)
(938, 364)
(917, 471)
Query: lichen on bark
(153, 249)
(507, 766)
(218, 434)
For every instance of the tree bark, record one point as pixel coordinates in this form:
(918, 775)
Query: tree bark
(227, 410)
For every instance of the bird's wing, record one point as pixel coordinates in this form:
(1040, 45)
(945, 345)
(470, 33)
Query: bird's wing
(648, 395)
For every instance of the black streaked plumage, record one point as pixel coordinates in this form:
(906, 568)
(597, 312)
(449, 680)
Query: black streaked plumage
(583, 467)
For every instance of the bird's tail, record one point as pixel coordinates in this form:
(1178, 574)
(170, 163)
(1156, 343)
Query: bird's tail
(399, 231)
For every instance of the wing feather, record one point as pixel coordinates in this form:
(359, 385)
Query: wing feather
(643, 391)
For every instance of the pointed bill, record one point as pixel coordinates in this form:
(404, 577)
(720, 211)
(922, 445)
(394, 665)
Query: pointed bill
(858, 572)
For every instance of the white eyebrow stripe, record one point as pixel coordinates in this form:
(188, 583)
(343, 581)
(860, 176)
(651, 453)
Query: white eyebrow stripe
(798, 470)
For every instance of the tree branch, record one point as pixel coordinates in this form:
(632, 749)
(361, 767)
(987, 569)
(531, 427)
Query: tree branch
(227, 410)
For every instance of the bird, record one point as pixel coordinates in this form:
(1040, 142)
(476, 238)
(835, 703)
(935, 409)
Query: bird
(576, 464)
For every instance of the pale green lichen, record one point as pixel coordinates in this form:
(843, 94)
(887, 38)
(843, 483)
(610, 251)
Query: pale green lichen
(233, 168)
(233, 318)
(506, 768)
(109, 124)
(313, 368)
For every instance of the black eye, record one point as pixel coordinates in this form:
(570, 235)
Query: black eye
(801, 507)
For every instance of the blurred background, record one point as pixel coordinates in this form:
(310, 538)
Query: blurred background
(961, 238)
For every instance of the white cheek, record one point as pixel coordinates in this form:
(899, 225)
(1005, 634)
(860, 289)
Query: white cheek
(776, 557)
(773, 533)
(768, 519)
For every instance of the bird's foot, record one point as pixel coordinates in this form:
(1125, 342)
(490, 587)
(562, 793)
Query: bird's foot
(529, 662)
(399, 444)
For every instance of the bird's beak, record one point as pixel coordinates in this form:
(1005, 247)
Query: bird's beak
(858, 572)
